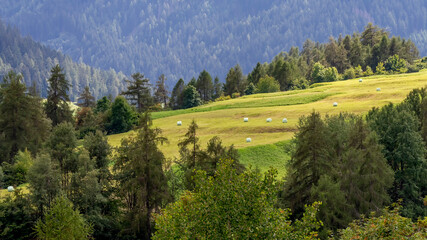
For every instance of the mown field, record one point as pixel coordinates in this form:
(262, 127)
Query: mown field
(225, 119)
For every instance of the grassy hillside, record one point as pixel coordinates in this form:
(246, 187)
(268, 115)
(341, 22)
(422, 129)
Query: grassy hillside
(225, 119)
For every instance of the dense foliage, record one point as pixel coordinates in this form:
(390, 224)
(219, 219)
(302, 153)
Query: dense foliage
(181, 38)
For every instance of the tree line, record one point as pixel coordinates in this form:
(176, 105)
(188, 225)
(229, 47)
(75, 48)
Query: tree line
(362, 54)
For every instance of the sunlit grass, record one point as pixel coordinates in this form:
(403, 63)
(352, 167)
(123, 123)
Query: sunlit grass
(225, 119)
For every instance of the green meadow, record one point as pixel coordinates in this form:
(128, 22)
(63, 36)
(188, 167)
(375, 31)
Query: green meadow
(225, 118)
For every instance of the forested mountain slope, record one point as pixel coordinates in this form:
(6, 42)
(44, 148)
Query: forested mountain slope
(181, 38)
(34, 61)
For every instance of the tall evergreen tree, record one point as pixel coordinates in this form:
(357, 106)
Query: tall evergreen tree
(14, 110)
(86, 99)
(122, 116)
(23, 123)
(139, 92)
(176, 96)
(57, 108)
(190, 97)
(143, 185)
(309, 161)
(234, 82)
(204, 86)
(217, 90)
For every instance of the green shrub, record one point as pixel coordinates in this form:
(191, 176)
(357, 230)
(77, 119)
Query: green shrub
(268, 84)
(349, 74)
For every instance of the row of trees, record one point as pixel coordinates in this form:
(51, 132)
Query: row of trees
(363, 54)
(355, 167)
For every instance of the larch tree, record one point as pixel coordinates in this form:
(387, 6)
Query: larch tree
(143, 185)
(86, 99)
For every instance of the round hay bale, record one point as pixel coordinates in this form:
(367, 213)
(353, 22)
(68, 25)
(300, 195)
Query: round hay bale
(179, 123)
(248, 140)
(378, 89)
(269, 120)
(245, 119)
(10, 189)
(335, 104)
(285, 120)
(360, 80)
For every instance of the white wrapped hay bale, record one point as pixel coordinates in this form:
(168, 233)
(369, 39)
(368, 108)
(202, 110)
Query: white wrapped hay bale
(248, 140)
(269, 120)
(360, 80)
(285, 120)
(378, 89)
(245, 119)
(10, 189)
(335, 104)
(179, 123)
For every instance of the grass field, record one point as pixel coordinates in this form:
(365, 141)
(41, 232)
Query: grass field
(225, 119)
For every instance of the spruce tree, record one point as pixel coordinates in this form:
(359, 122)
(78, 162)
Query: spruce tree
(122, 117)
(143, 185)
(57, 108)
(217, 92)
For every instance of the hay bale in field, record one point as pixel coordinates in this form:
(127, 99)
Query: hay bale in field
(378, 89)
(269, 120)
(10, 189)
(248, 140)
(360, 80)
(285, 120)
(179, 123)
(245, 119)
(335, 104)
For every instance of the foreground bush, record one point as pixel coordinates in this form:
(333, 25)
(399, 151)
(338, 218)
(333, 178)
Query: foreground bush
(233, 206)
(388, 226)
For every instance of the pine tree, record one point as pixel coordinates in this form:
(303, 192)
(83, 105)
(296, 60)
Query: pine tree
(190, 97)
(161, 92)
(143, 185)
(139, 92)
(86, 99)
(57, 108)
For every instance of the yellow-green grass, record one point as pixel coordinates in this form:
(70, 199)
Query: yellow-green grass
(225, 119)
(4, 193)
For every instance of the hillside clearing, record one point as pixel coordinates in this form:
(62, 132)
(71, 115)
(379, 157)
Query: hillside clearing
(225, 119)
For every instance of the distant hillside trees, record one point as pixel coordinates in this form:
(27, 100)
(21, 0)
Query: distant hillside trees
(34, 61)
